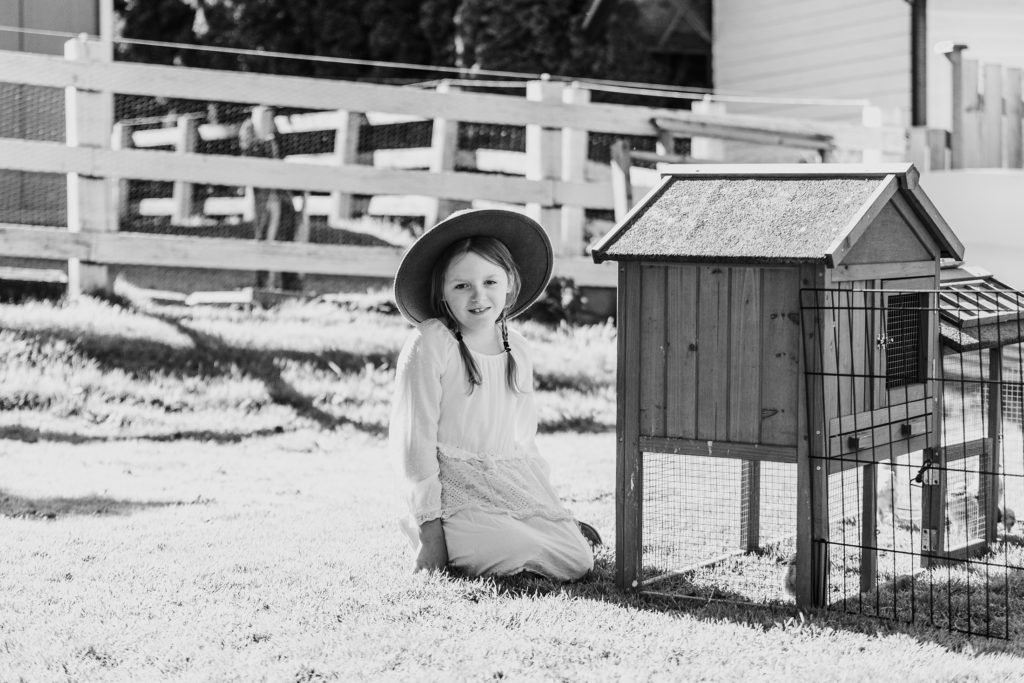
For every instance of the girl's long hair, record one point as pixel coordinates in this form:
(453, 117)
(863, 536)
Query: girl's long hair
(497, 253)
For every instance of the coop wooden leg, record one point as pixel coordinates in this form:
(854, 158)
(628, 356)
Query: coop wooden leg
(628, 466)
(869, 527)
(750, 506)
(990, 459)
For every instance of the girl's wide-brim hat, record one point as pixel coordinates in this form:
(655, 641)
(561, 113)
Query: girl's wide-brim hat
(523, 236)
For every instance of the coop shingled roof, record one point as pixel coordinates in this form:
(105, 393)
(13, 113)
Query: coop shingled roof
(771, 219)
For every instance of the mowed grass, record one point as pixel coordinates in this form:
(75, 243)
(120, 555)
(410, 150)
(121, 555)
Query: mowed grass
(206, 494)
(98, 369)
(278, 558)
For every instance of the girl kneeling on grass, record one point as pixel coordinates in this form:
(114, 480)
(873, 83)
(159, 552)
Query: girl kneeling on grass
(463, 422)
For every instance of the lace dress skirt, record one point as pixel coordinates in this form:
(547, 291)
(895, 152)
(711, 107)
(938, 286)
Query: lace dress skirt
(501, 516)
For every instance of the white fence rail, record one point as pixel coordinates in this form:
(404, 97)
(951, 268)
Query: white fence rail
(554, 181)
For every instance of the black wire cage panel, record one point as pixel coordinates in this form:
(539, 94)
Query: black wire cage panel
(924, 455)
(718, 527)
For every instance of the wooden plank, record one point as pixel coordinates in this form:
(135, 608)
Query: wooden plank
(877, 454)
(745, 340)
(653, 304)
(780, 357)
(881, 271)
(899, 169)
(681, 360)
(89, 121)
(968, 449)
(991, 152)
(1013, 145)
(186, 142)
(444, 148)
(51, 157)
(769, 133)
(750, 505)
(991, 500)
(237, 254)
(544, 162)
(971, 134)
(868, 528)
(629, 453)
(407, 102)
(622, 183)
(574, 169)
(754, 452)
(900, 412)
(346, 153)
(891, 239)
(713, 353)
(812, 481)
(875, 438)
(861, 335)
(861, 221)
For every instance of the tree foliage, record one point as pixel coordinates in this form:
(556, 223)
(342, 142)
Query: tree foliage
(531, 36)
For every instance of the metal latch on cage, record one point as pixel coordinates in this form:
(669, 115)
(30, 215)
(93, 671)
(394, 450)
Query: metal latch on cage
(927, 475)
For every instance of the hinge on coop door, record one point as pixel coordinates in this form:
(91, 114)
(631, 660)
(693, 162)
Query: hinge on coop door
(929, 540)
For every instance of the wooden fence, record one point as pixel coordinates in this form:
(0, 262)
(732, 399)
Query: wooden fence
(987, 120)
(557, 184)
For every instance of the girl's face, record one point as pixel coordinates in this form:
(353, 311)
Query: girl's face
(476, 291)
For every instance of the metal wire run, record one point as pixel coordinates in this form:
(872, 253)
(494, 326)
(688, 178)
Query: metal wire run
(924, 460)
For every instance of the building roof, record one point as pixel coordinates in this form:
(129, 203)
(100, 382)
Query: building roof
(782, 213)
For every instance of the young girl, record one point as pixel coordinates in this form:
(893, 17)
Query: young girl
(463, 422)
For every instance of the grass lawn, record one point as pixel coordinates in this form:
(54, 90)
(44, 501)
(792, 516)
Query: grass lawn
(200, 494)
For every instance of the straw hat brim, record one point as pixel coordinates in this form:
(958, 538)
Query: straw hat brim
(526, 241)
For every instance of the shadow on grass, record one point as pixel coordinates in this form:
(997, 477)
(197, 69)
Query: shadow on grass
(211, 357)
(20, 507)
(720, 604)
(32, 435)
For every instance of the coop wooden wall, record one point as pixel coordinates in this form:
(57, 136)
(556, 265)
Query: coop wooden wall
(718, 352)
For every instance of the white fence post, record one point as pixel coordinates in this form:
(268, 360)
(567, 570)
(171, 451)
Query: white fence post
(574, 166)
(709, 149)
(444, 149)
(346, 152)
(544, 160)
(89, 120)
(186, 142)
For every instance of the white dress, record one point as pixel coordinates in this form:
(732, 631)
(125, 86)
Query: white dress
(472, 460)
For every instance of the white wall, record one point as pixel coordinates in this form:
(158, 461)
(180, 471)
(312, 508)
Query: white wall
(985, 208)
(846, 49)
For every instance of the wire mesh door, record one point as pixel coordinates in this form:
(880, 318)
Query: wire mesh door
(919, 478)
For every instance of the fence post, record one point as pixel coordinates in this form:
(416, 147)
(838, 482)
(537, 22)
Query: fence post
(120, 138)
(991, 152)
(346, 152)
(965, 136)
(574, 169)
(444, 148)
(1014, 119)
(89, 120)
(187, 142)
(622, 184)
(928, 148)
(709, 149)
(543, 159)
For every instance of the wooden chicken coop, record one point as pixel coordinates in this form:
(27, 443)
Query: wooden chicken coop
(778, 334)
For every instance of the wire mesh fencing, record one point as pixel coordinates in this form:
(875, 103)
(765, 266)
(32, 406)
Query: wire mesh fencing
(925, 463)
(719, 528)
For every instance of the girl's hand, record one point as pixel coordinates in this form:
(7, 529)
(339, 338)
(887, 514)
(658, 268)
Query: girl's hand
(433, 554)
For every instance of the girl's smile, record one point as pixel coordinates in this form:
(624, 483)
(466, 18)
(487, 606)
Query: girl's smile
(476, 291)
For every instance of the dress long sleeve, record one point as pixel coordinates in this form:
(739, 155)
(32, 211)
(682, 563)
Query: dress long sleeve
(414, 423)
